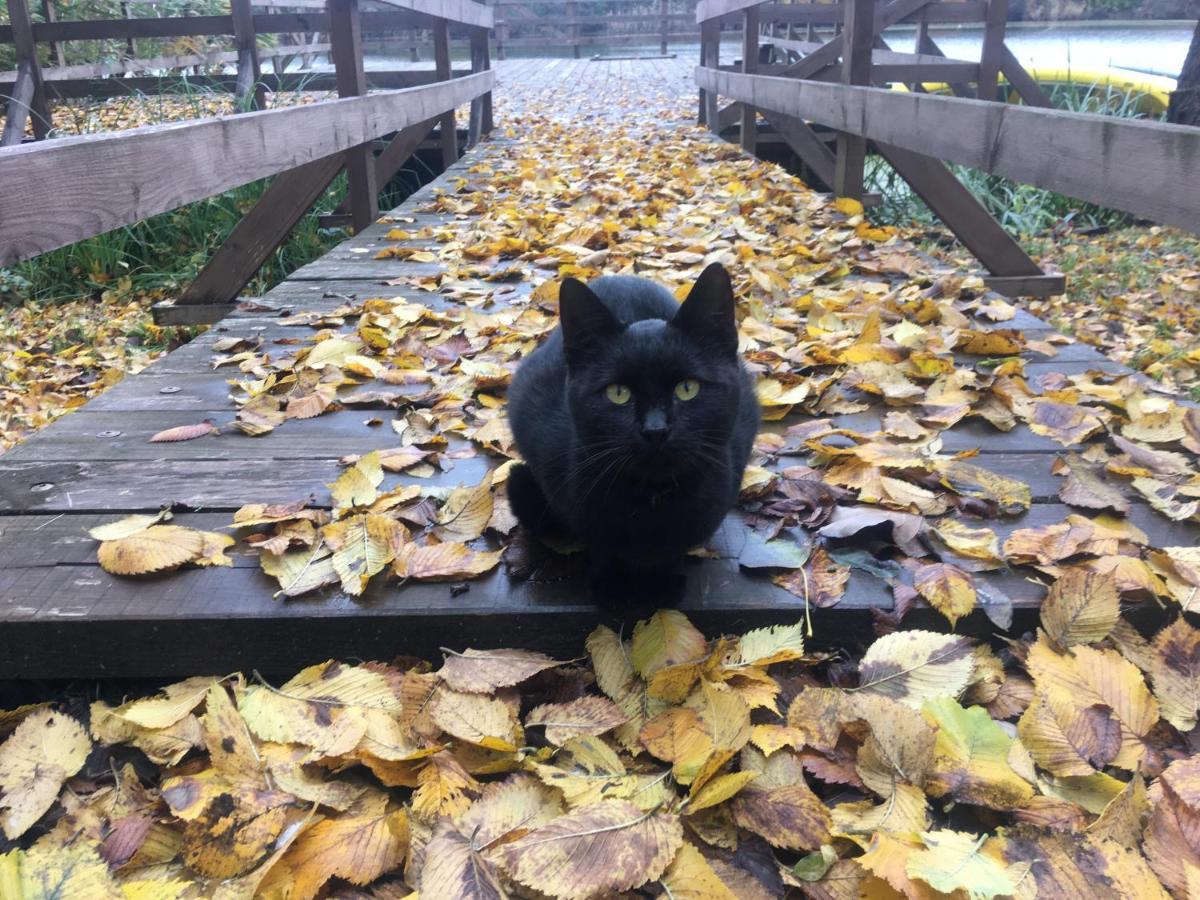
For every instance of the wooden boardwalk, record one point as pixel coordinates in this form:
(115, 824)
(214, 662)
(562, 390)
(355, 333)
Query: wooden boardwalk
(61, 615)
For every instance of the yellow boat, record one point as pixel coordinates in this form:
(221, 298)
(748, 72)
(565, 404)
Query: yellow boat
(1152, 92)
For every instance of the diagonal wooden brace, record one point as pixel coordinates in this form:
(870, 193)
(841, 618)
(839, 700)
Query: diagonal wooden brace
(268, 223)
(1015, 273)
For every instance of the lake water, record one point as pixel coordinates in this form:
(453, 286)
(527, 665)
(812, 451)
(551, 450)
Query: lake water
(1154, 47)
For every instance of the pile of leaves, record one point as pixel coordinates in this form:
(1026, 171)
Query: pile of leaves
(1135, 293)
(51, 364)
(662, 764)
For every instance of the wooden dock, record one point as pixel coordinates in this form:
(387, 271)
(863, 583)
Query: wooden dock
(62, 615)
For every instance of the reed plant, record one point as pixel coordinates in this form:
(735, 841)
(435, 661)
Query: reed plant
(1023, 210)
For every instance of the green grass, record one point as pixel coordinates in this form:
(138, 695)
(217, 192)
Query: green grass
(1022, 209)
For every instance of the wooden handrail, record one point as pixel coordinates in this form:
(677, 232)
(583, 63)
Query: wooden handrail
(129, 66)
(1149, 169)
(729, 11)
(108, 180)
(407, 15)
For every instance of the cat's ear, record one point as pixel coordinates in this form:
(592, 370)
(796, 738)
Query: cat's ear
(707, 313)
(586, 322)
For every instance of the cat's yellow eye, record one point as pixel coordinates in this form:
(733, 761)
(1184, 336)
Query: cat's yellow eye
(687, 389)
(618, 394)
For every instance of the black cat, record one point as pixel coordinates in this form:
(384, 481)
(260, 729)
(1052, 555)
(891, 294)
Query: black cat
(635, 419)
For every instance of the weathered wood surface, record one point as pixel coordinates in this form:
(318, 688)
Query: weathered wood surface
(1150, 169)
(410, 13)
(940, 11)
(108, 180)
(61, 615)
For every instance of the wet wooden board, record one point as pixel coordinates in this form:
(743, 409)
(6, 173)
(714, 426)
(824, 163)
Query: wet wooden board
(62, 616)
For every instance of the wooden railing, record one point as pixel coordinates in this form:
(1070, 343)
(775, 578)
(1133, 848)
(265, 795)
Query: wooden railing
(301, 27)
(555, 24)
(844, 82)
(62, 190)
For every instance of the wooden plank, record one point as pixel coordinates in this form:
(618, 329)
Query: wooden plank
(927, 45)
(1046, 285)
(420, 13)
(712, 59)
(828, 53)
(447, 127)
(1150, 169)
(56, 48)
(108, 180)
(394, 155)
(33, 101)
(260, 231)
(991, 56)
(481, 107)
(805, 144)
(857, 39)
(463, 12)
(319, 82)
(749, 116)
(939, 11)
(346, 37)
(19, 102)
(711, 9)
(249, 71)
(961, 212)
(879, 57)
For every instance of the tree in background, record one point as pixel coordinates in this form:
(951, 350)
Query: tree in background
(1185, 101)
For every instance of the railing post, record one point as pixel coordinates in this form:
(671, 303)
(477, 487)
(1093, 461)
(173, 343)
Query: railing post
(665, 11)
(28, 91)
(856, 69)
(573, 26)
(56, 49)
(441, 57)
(481, 107)
(249, 70)
(130, 45)
(712, 59)
(993, 49)
(749, 130)
(345, 39)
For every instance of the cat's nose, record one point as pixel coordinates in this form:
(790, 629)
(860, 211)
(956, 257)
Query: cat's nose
(655, 427)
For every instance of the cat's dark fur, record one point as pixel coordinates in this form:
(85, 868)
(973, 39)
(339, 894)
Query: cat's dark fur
(642, 481)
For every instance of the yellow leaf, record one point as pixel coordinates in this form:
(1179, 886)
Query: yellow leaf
(690, 877)
(358, 485)
(610, 846)
(465, 514)
(153, 549)
(1175, 672)
(443, 562)
(475, 718)
(1080, 608)
(955, 860)
(667, 638)
(484, 671)
(177, 701)
(720, 789)
(766, 646)
(913, 666)
(971, 758)
(366, 841)
(946, 588)
(45, 750)
(57, 873)
(586, 715)
(363, 546)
